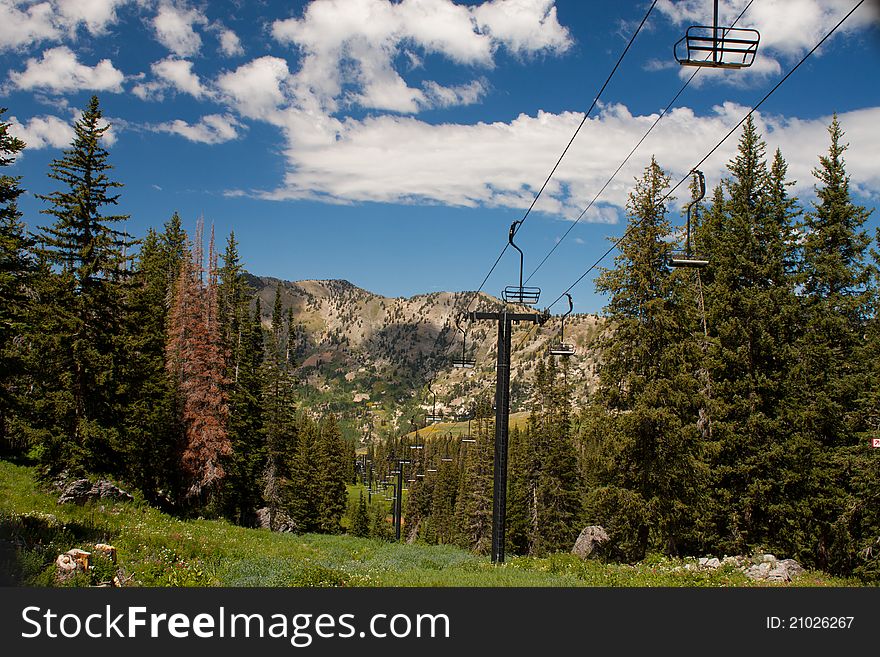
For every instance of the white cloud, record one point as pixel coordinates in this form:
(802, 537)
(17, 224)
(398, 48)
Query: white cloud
(59, 71)
(42, 132)
(465, 94)
(401, 159)
(230, 44)
(211, 129)
(255, 88)
(174, 29)
(171, 73)
(22, 24)
(523, 26)
(25, 24)
(348, 47)
(95, 14)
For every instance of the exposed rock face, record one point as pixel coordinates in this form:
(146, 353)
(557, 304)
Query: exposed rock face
(82, 491)
(590, 541)
(280, 523)
(765, 567)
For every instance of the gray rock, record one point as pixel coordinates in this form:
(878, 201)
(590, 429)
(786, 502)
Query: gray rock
(793, 567)
(778, 573)
(280, 523)
(82, 491)
(590, 541)
(758, 571)
(76, 492)
(713, 563)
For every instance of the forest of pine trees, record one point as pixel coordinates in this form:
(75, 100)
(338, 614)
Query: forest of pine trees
(154, 369)
(732, 413)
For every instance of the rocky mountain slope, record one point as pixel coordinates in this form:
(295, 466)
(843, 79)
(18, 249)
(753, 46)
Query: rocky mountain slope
(352, 347)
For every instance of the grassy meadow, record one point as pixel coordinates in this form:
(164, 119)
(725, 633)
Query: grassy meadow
(155, 549)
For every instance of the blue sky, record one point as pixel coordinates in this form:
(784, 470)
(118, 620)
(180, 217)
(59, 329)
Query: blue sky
(393, 143)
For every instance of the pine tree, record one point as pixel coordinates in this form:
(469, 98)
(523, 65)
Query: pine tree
(557, 485)
(242, 338)
(751, 309)
(16, 273)
(302, 491)
(150, 423)
(360, 519)
(195, 359)
(649, 385)
(331, 475)
(832, 373)
(82, 305)
(473, 512)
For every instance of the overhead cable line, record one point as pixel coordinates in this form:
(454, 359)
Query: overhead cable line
(565, 150)
(627, 158)
(712, 151)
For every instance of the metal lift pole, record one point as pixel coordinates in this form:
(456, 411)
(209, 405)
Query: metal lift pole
(398, 502)
(502, 419)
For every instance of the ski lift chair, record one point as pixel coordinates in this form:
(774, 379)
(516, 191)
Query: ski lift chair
(527, 296)
(464, 361)
(714, 46)
(563, 348)
(687, 258)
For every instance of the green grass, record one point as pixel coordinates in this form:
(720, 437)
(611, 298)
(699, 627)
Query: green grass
(155, 549)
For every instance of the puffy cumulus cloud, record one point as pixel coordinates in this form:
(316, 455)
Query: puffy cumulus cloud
(523, 26)
(25, 23)
(211, 129)
(174, 28)
(230, 44)
(96, 15)
(171, 73)
(352, 44)
(402, 159)
(788, 28)
(255, 88)
(60, 71)
(42, 132)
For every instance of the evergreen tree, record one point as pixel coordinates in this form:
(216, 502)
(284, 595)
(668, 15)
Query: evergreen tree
(242, 338)
(750, 307)
(649, 385)
(16, 274)
(558, 488)
(473, 512)
(360, 519)
(150, 422)
(82, 302)
(832, 372)
(331, 475)
(303, 494)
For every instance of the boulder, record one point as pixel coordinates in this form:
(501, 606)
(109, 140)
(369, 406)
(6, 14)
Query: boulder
(82, 491)
(282, 522)
(590, 541)
(76, 492)
(793, 567)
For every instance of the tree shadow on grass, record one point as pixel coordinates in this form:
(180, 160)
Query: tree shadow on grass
(30, 543)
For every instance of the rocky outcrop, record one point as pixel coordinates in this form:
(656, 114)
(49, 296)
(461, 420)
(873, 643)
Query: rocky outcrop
(590, 542)
(281, 522)
(83, 490)
(763, 567)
